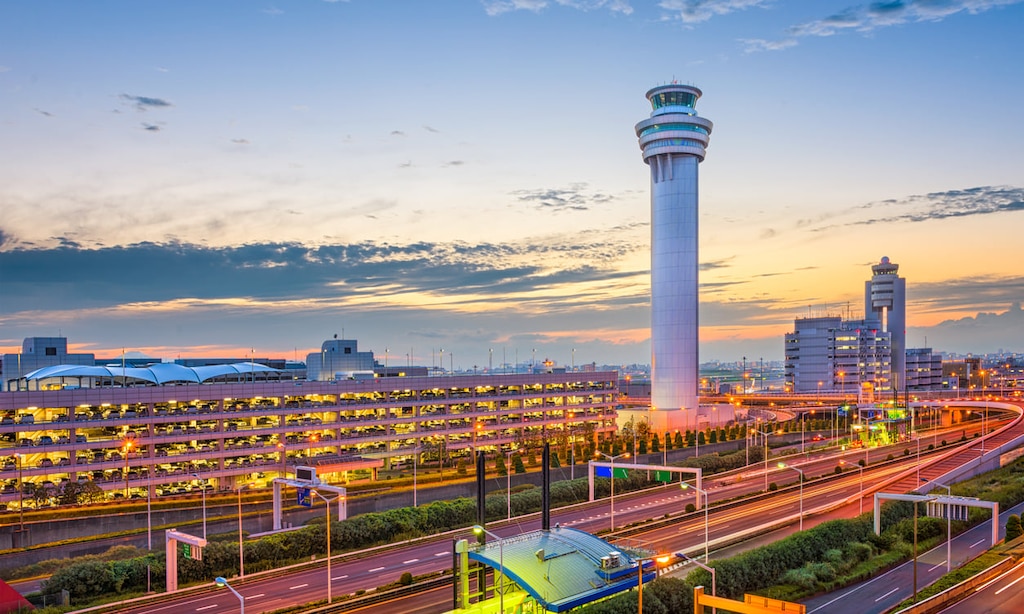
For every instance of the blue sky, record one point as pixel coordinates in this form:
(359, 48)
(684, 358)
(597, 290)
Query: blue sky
(201, 177)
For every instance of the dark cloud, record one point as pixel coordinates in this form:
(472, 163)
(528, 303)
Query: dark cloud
(716, 264)
(150, 127)
(397, 133)
(42, 279)
(982, 200)
(984, 332)
(953, 295)
(143, 103)
(43, 113)
(431, 129)
(5, 239)
(573, 198)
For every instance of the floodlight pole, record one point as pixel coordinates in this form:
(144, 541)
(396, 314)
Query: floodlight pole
(949, 526)
(765, 457)
(328, 509)
(196, 476)
(707, 504)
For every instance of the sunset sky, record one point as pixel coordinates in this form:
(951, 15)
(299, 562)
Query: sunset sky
(214, 178)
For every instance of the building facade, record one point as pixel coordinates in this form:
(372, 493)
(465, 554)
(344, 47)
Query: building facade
(127, 435)
(673, 141)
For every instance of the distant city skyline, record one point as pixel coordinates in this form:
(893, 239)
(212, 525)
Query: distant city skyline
(216, 178)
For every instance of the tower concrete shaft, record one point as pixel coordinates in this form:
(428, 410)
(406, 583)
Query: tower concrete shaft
(673, 141)
(885, 300)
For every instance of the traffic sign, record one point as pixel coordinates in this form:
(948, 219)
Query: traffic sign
(303, 497)
(187, 548)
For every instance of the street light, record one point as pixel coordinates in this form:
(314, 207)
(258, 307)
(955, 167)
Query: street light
(612, 459)
(241, 600)
(241, 550)
(659, 559)
(508, 481)
(707, 504)
(21, 496)
(949, 525)
(129, 444)
(479, 530)
(800, 471)
(861, 500)
(766, 434)
(203, 485)
(328, 510)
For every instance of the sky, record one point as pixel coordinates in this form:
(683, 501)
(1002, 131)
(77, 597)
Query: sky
(195, 178)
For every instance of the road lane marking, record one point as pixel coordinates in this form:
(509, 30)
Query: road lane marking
(376, 569)
(887, 594)
(441, 553)
(940, 564)
(206, 607)
(340, 577)
(409, 561)
(254, 596)
(291, 588)
(978, 543)
(1010, 584)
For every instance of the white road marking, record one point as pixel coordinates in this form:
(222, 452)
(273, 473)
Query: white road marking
(206, 607)
(409, 561)
(340, 577)
(376, 569)
(887, 594)
(441, 553)
(941, 564)
(291, 588)
(1010, 584)
(978, 543)
(254, 596)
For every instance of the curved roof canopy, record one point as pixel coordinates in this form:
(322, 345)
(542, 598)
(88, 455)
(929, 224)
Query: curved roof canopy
(157, 374)
(562, 568)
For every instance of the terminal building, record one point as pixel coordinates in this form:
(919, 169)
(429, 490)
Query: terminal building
(830, 354)
(171, 428)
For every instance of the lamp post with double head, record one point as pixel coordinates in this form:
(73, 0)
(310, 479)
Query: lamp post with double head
(612, 460)
(479, 530)
(508, 481)
(707, 504)
(241, 600)
(800, 471)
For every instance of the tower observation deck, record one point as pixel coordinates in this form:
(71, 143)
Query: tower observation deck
(674, 140)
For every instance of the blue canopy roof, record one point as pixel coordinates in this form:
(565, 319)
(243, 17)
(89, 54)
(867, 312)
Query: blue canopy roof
(157, 373)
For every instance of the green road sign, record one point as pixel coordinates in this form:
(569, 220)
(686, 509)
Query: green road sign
(663, 476)
(188, 550)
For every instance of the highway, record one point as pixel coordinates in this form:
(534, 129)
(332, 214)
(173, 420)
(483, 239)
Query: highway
(351, 574)
(1003, 595)
(881, 593)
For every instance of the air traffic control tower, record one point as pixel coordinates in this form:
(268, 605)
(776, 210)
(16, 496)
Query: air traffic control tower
(673, 141)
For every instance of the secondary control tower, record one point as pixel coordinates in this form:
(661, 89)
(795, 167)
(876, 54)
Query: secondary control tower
(673, 141)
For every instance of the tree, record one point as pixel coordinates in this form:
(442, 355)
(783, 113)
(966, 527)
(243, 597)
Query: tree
(517, 462)
(499, 465)
(655, 443)
(1013, 527)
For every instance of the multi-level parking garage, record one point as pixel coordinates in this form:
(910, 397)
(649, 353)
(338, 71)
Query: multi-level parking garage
(126, 435)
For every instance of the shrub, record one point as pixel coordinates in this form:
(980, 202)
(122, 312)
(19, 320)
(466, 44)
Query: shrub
(406, 579)
(1013, 527)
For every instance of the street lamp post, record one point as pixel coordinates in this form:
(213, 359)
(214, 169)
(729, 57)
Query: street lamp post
(861, 500)
(707, 504)
(241, 600)
(765, 457)
(949, 527)
(478, 530)
(508, 481)
(612, 459)
(800, 471)
(660, 559)
(21, 496)
(327, 508)
(241, 544)
(203, 485)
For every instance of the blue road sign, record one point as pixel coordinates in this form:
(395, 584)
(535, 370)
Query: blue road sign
(304, 498)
